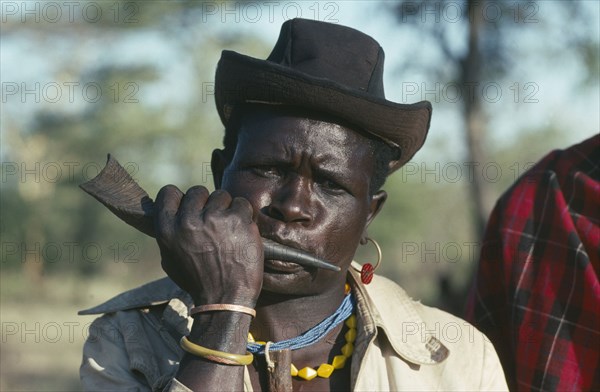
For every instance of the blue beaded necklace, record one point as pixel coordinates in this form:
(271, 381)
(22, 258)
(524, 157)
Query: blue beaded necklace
(314, 334)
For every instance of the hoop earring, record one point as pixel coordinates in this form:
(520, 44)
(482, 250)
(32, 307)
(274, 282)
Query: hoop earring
(367, 270)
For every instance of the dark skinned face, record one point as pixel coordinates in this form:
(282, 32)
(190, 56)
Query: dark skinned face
(308, 182)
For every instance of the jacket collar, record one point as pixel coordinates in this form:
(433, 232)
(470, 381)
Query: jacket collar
(385, 306)
(154, 293)
(382, 305)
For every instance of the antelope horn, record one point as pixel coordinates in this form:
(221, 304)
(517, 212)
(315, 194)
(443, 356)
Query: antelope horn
(115, 188)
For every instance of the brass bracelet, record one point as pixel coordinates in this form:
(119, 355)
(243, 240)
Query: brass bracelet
(214, 355)
(217, 307)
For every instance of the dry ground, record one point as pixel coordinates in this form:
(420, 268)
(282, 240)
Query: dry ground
(42, 336)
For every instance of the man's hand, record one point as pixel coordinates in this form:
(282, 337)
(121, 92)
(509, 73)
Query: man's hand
(210, 245)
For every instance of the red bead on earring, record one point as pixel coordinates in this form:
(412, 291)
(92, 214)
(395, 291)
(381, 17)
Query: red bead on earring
(367, 270)
(366, 273)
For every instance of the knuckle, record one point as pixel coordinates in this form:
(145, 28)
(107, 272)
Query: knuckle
(198, 190)
(168, 191)
(219, 199)
(242, 205)
(187, 223)
(220, 193)
(241, 201)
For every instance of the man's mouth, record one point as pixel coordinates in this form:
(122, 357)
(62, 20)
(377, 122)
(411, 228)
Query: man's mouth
(274, 265)
(286, 256)
(278, 266)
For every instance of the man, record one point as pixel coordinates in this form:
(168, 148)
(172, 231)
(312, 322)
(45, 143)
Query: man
(309, 141)
(537, 292)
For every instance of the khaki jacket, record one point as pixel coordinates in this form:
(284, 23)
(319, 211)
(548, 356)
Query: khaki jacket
(401, 344)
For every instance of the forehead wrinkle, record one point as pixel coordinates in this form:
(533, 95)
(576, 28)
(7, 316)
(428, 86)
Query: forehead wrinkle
(305, 139)
(343, 152)
(328, 155)
(341, 160)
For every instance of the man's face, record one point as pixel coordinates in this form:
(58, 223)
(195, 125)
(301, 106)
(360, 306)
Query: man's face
(308, 180)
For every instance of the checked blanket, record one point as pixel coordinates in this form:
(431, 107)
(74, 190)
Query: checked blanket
(537, 294)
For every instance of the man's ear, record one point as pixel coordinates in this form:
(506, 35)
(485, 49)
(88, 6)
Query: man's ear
(218, 163)
(377, 202)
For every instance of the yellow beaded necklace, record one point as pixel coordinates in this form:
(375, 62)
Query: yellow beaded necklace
(326, 369)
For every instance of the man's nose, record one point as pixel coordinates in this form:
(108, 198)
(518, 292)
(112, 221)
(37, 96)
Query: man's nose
(292, 202)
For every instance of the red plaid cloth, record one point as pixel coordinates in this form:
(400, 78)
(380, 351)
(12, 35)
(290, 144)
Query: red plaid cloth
(536, 294)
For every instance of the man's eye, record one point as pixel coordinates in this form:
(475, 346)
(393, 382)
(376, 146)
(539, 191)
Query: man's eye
(331, 186)
(267, 171)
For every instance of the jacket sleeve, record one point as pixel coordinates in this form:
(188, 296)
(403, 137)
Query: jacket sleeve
(106, 364)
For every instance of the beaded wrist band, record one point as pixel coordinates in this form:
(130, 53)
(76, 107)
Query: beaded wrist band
(218, 307)
(214, 355)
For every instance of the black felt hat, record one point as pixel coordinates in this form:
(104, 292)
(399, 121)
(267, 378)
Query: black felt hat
(326, 67)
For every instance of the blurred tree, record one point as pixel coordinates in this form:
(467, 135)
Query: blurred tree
(153, 111)
(487, 51)
(475, 42)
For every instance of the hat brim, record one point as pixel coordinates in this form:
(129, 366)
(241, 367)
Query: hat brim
(242, 79)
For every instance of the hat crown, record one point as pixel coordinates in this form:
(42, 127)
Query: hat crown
(330, 69)
(337, 53)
